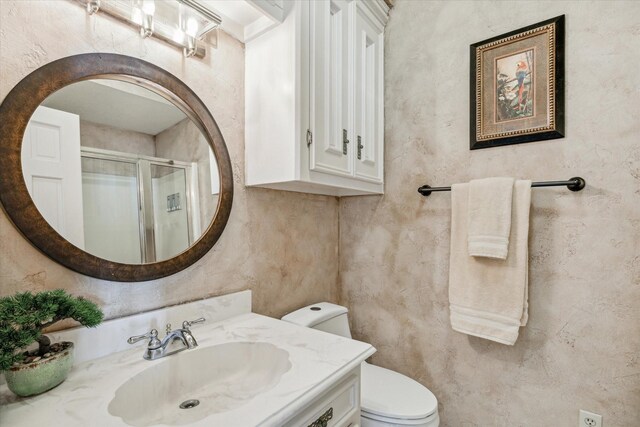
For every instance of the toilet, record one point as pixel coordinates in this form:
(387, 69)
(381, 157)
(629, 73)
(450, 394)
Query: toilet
(388, 398)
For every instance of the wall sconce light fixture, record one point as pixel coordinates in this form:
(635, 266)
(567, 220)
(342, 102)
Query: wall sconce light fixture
(181, 23)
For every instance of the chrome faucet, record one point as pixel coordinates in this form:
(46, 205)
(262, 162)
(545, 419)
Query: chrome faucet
(157, 349)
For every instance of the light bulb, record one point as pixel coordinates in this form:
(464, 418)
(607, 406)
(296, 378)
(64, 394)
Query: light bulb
(149, 7)
(136, 15)
(178, 36)
(192, 27)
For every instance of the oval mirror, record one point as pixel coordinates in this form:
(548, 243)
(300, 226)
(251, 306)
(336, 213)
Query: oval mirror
(113, 167)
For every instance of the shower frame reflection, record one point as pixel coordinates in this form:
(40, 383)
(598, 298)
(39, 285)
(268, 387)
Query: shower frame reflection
(146, 204)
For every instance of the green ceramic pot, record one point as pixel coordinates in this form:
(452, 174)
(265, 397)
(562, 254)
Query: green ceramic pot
(40, 376)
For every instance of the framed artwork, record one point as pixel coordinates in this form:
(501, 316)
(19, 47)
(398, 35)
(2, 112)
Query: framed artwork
(517, 86)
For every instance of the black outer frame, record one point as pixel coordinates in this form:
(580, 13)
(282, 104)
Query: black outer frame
(559, 90)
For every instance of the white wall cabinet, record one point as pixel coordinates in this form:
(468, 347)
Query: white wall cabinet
(314, 100)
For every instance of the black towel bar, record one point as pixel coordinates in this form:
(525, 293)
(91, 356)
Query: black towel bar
(574, 184)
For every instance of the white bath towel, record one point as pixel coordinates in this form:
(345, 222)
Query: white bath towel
(489, 221)
(488, 297)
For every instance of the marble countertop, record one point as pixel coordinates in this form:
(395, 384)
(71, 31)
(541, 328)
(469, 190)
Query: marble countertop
(318, 360)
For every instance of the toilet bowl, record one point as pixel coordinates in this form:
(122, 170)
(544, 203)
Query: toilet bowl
(388, 398)
(392, 399)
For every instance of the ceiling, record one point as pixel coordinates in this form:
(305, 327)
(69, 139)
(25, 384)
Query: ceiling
(117, 104)
(246, 20)
(238, 11)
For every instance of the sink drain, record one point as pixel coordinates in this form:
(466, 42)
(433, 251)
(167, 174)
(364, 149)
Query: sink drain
(188, 404)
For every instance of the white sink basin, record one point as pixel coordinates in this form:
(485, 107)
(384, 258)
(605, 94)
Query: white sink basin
(221, 378)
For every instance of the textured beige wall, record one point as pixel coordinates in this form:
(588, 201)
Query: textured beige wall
(281, 245)
(581, 348)
(95, 135)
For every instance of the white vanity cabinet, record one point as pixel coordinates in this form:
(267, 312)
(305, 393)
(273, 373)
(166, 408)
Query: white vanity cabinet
(337, 407)
(314, 99)
(278, 374)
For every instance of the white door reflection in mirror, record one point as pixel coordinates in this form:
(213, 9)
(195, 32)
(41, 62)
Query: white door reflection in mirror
(144, 183)
(51, 168)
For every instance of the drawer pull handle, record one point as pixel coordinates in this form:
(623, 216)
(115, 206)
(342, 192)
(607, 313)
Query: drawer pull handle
(323, 421)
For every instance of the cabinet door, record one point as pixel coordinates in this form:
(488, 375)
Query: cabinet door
(369, 113)
(331, 150)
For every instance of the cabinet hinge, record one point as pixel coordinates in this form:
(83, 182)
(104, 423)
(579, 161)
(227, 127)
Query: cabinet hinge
(309, 137)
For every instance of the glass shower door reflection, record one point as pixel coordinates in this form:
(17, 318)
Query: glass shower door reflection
(170, 210)
(111, 210)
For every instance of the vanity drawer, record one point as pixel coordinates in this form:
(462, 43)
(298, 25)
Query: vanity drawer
(339, 407)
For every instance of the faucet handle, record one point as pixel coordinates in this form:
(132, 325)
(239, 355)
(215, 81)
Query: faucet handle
(152, 335)
(187, 323)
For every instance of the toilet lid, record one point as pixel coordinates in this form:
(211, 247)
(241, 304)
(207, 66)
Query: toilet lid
(393, 395)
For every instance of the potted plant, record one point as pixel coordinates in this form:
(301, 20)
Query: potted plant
(22, 319)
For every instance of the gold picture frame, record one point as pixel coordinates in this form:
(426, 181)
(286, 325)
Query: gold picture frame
(517, 86)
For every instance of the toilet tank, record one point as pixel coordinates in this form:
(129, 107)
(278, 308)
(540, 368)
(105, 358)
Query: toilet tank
(323, 316)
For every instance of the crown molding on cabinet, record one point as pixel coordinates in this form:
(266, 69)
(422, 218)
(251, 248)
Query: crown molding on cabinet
(380, 8)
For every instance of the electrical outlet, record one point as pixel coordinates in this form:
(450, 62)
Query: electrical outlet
(589, 419)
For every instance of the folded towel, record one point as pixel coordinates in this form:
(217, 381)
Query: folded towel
(490, 217)
(488, 297)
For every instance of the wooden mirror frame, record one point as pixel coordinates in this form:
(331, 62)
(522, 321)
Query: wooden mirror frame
(16, 111)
